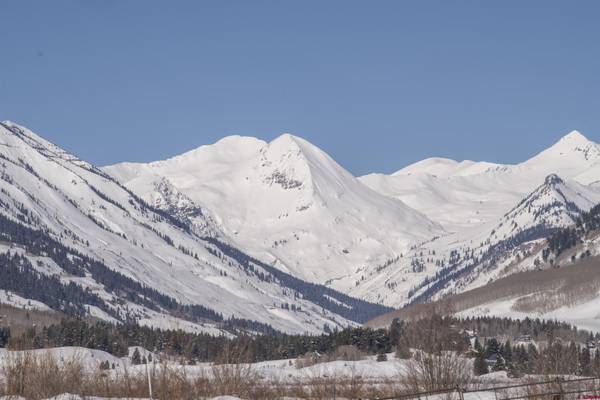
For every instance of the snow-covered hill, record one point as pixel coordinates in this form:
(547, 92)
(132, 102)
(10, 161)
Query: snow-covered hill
(497, 215)
(548, 269)
(567, 291)
(464, 194)
(253, 230)
(166, 264)
(288, 202)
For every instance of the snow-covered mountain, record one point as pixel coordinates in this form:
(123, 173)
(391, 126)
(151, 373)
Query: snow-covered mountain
(498, 217)
(77, 240)
(544, 266)
(555, 203)
(568, 293)
(277, 233)
(555, 278)
(288, 202)
(463, 194)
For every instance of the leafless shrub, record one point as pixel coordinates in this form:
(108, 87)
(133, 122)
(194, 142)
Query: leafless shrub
(323, 387)
(437, 371)
(436, 359)
(353, 387)
(432, 334)
(38, 376)
(233, 373)
(307, 360)
(341, 353)
(347, 353)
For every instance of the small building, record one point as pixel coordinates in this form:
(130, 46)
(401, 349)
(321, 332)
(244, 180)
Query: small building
(524, 338)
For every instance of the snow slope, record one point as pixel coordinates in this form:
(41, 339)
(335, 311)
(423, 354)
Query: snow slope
(495, 214)
(463, 194)
(186, 225)
(289, 202)
(47, 189)
(585, 315)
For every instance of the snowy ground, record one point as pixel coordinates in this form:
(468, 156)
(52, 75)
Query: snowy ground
(284, 372)
(67, 396)
(278, 370)
(367, 370)
(585, 316)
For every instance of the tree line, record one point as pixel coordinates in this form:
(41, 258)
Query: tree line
(555, 358)
(531, 346)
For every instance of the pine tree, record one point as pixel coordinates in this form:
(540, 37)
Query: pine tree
(477, 346)
(585, 362)
(500, 364)
(507, 352)
(596, 363)
(533, 357)
(492, 347)
(395, 331)
(480, 366)
(136, 358)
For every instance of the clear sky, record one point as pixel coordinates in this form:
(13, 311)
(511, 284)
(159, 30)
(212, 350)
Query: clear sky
(376, 84)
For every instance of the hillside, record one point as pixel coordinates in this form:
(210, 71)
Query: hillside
(564, 283)
(76, 240)
(282, 200)
(244, 233)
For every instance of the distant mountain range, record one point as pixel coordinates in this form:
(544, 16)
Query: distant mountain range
(245, 234)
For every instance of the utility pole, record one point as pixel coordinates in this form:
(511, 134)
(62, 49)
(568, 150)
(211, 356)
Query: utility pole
(149, 377)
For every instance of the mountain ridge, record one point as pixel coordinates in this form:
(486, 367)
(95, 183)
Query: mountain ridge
(489, 217)
(281, 234)
(292, 191)
(66, 199)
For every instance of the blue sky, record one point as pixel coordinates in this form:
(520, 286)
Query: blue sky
(377, 84)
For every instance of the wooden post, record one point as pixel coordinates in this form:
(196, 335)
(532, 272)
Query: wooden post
(561, 396)
(460, 392)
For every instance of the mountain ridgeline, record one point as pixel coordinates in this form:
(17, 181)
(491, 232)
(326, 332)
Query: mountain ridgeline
(274, 236)
(79, 242)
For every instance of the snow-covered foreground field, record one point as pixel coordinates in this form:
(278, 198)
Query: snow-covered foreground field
(67, 396)
(74, 373)
(467, 396)
(366, 378)
(267, 371)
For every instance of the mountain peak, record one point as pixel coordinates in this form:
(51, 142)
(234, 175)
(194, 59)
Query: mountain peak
(288, 140)
(288, 146)
(572, 152)
(574, 136)
(287, 160)
(573, 140)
